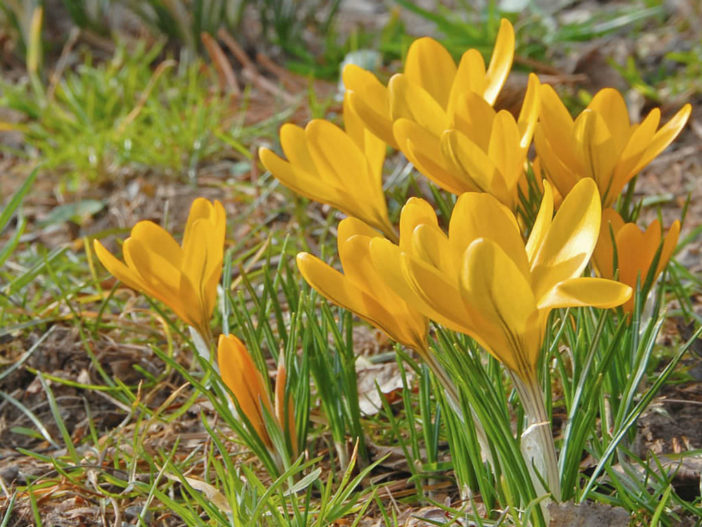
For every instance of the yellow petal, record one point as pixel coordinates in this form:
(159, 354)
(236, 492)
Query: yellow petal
(164, 281)
(293, 141)
(351, 227)
(430, 66)
(596, 292)
(494, 286)
(339, 289)
(470, 77)
(415, 212)
(476, 169)
(410, 101)
(370, 99)
(387, 260)
(343, 165)
(438, 295)
(610, 105)
(118, 269)
(473, 117)
(556, 171)
(423, 149)
(479, 215)
(529, 114)
(571, 238)
(556, 126)
(541, 224)
(159, 241)
(598, 149)
(501, 61)
(431, 245)
(665, 136)
(368, 142)
(508, 157)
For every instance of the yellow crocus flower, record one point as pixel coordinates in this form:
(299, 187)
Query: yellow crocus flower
(473, 149)
(483, 280)
(340, 168)
(635, 250)
(183, 277)
(431, 79)
(360, 289)
(601, 143)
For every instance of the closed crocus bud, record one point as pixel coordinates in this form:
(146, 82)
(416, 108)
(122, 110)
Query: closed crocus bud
(246, 383)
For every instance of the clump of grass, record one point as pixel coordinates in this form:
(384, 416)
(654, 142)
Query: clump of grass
(133, 113)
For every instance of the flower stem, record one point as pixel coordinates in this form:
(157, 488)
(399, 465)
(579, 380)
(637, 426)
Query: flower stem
(537, 439)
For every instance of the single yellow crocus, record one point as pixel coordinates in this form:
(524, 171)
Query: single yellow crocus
(635, 250)
(600, 143)
(483, 280)
(183, 277)
(473, 149)
(339, 168)
(432, 80)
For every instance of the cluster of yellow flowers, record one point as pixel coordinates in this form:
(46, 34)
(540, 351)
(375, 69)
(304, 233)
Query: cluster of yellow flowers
(482, 278)
(486, 277)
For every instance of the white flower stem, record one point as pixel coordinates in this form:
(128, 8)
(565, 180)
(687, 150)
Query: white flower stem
(537, 442)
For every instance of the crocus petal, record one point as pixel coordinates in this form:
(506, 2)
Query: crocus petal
(541, 224)
(130, 277)
(293, 140)
(493, 285)
(439, 297)
(368, 142)
(557, 126)
(387, 260)
(500, 62)
(370, 99)
(570, 240)
(423, 149)
(665, 136)
(410, 101)
(470, 78)
(596, 292)
(473, 117)
(395, 319)
(479, 215)
(164, 281)
(159, 241)
(415, 212)
(469, 161)
(529, 114)
(431, 245)
(610, 105)
(430, 66)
